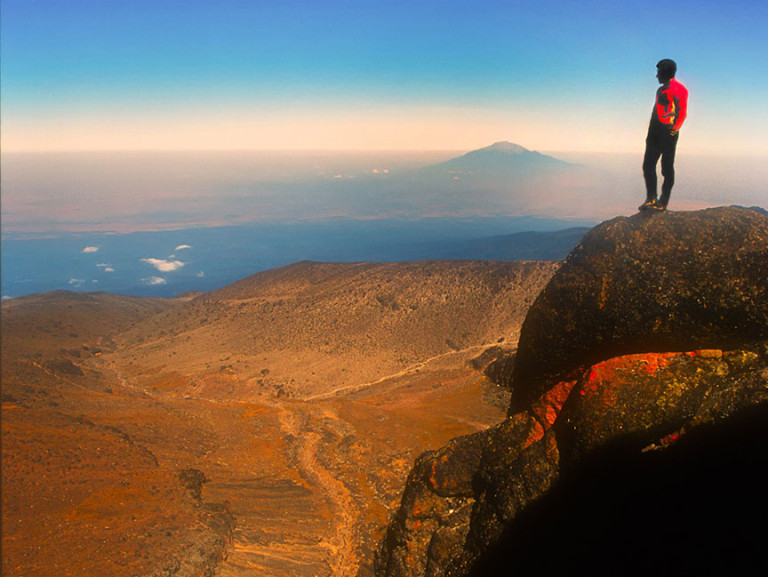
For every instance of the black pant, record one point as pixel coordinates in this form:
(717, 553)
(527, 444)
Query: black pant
(659, 143)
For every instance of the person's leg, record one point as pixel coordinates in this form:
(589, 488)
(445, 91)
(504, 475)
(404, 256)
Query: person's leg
(652, 153)
(668, 170)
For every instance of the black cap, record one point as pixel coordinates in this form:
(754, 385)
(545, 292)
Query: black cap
(668, 67)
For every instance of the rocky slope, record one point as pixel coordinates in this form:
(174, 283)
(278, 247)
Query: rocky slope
(637, 423)
(314, 328)
(49, 323)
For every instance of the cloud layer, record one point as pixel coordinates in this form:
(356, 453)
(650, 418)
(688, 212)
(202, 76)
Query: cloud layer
(164, 265)
(154, 280)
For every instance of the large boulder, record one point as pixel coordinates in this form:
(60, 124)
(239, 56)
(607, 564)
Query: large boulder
(636, 434)
(648, 283)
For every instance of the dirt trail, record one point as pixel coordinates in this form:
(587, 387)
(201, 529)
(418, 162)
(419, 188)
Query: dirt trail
(300, 425)
(409, 370)
(299, 525)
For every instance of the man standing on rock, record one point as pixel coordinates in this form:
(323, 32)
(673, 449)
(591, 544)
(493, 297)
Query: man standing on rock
(668, 116)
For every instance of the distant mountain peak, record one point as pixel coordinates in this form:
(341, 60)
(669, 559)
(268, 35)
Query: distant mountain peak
(505, 146)
(504, 159)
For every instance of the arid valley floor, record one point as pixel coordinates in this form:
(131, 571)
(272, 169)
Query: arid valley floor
(266, 428)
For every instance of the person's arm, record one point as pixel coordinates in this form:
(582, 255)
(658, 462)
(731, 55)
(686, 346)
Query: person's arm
(681, 106)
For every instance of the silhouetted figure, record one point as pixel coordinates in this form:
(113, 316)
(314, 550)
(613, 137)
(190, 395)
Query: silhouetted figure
(668, 116)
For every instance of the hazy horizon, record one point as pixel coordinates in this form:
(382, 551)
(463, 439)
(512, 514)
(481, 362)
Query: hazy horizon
(160, 224)
(123, 192)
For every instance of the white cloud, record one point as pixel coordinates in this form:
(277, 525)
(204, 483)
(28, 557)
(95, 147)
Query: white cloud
(182, 247)
(164, 265)
(154, 280)
(201, 274)
(105, 267)
(76, 282)
(88, 249)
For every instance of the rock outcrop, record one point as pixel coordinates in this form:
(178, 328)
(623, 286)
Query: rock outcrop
(636, 428)
(649, 283)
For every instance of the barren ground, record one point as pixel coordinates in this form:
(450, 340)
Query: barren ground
(118, 463)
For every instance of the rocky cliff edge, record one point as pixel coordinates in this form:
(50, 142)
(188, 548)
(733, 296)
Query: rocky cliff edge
(638, 421)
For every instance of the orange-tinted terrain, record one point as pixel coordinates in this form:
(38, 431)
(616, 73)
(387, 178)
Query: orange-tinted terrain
(267, 428)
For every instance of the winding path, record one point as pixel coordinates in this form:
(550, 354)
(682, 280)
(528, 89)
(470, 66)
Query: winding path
(409, 370)
(343, 557)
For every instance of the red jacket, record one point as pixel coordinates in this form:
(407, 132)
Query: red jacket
(671, 105)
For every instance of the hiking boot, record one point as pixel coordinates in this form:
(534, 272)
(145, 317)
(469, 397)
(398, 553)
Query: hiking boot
(650, 203)
(657, 207)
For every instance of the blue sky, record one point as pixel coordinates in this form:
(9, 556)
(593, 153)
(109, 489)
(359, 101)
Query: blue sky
(360, 74)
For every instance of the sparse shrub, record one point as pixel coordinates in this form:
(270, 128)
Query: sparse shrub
(193, 480)
(388, 301)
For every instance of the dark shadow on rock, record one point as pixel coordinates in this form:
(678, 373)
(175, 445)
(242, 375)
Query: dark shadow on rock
(697, 507)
